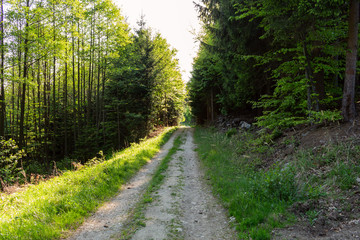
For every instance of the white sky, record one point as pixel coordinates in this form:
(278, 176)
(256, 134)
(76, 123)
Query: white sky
(174, 19)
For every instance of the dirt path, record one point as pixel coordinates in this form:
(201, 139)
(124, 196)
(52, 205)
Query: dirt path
(183, 207)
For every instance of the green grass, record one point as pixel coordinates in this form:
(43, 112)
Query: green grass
(52, 208)
(137, 218)
(258, 193)
(256, 198)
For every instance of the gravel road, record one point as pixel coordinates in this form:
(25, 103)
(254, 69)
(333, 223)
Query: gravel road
(182, 208)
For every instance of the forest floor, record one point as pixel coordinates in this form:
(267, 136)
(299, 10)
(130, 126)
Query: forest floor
(325, 157)
(182, 207)
(338, 215)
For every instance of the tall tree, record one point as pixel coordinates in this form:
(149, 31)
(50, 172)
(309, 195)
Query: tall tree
(2, 81)
(348, 102)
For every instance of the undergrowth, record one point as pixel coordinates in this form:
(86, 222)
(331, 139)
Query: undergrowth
(50, 209)
(258, 189)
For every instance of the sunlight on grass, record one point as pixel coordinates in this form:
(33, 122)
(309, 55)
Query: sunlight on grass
(51, 208)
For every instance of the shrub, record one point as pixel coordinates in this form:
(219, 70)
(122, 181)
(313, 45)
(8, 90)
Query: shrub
(10, 155)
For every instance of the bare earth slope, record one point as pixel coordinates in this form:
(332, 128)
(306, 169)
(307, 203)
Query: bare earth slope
(183, 207)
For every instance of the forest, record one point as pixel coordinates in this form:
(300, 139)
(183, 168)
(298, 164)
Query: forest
(76, 82)
(285, 62)
(86, 102)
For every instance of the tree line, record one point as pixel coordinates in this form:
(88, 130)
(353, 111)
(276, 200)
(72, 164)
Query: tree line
(74, 79)
(289, 62)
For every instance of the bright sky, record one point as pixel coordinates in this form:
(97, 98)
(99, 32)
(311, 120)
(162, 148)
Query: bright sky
(174, 19)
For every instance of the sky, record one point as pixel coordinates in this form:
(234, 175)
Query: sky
(175, 20)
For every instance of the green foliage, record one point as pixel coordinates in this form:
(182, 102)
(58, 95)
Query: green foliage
(145, 89)
(78, 81)
(312, 216)
(338, 164)
(188, 117)
(345, 175)
(285, 58)
(49, 209)
(10, 156)
(231, 132)
(97, 159)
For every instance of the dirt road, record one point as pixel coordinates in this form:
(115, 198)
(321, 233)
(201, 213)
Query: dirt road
(182, 208)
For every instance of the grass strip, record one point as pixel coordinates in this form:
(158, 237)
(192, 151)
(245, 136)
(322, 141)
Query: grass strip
(137, 217)
(48, 210)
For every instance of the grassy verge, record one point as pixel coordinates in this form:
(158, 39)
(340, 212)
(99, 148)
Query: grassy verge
(261, 190)
(49, 209)
(137, 218)
(252, 196)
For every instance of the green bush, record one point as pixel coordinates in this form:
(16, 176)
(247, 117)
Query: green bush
(231, 132)
(10, 155)
(281, 184)
(345, 175)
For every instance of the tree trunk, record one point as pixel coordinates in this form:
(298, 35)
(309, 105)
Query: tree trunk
(313, 101)
(12, 116)
(348, 102)
(74, 90)
(25, 75)
(46, 111)
(2, 92)
(54, 90)
(66, 105)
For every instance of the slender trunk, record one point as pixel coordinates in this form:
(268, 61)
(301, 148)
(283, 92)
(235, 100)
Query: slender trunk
(18, 91)
(65, 105)
(212, 105)
(24, 85)
(46, 112)
(54, 90)
(313, 101)
(2, 92)
(74, 90)
(12, 117)
(90, 72)
(98, 93)
(79, 83)
(102, 100)
(348, 102)
(37, 114)
(118, 127)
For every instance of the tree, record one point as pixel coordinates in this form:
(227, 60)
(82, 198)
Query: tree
(348, 102)
(285, 58)
(2, 64)
(145, 89)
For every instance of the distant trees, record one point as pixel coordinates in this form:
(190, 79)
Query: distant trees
(145, 90)
(286, 58)
(71, 72)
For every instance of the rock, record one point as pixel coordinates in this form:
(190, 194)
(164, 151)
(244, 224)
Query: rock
(358, 180)
(245, 125)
